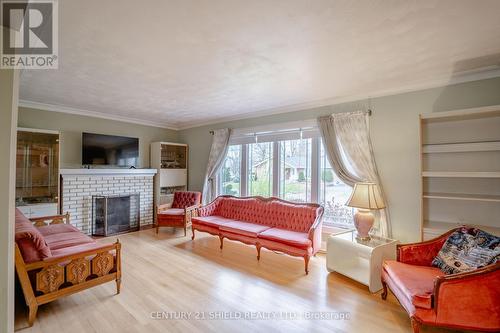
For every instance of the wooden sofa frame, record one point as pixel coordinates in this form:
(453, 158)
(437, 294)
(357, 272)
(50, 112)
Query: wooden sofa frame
(256, 243)
(65, 275)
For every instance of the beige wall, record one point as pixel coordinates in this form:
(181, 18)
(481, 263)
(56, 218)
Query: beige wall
(71, 128)
(394, 130)
(9, 83)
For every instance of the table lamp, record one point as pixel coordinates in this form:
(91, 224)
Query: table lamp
(366, 196)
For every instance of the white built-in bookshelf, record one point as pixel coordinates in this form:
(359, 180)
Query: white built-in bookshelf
(460, 170)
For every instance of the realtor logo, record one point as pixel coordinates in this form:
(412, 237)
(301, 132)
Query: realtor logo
(29, 34)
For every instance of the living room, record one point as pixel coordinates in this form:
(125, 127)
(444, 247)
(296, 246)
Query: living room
(243, 166)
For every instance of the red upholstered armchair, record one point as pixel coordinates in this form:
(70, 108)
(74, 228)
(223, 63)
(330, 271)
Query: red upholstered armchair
(181, 211)
(469, 300)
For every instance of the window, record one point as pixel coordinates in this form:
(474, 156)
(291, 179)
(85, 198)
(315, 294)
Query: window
(333, 195)
(260, 169)
(289, 165)
(230, 173)
(295, 170)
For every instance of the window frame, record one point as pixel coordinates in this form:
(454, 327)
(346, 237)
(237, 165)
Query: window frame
(246, 137)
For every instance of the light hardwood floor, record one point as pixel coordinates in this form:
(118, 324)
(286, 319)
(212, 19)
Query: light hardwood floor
(169, 273)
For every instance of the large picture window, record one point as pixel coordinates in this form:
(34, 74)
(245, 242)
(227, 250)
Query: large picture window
(295, 170)
(286, 165)
(230, 174)
(333, 194)
(260, 169)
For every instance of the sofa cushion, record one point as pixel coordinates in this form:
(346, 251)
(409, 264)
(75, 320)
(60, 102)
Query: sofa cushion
(57, 229)
(212, 221)
(67, 239)
(244, 228)
(467, 249)
(30, 241)
(293, 238)
(415, 282)
(171, 216)
(172, 211)
(61, 252)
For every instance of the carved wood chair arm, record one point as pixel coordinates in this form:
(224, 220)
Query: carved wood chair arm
(191, 208)
(52, 219)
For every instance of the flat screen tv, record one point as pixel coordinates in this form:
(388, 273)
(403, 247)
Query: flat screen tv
(109, 150)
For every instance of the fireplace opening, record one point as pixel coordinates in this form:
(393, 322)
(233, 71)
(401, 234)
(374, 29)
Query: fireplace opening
(117, 214)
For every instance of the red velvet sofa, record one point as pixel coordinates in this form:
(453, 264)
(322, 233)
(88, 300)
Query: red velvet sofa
(55, 259)
(272, 223)
(469, 301)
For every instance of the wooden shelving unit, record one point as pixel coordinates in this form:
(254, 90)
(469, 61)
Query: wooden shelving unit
(171, 161)
(460, 170)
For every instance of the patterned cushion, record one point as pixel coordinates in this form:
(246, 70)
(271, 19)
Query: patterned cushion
(467, 249)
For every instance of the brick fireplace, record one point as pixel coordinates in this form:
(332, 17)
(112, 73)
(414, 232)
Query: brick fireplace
(78, 186)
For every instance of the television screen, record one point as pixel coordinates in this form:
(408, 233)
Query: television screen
(110, 150)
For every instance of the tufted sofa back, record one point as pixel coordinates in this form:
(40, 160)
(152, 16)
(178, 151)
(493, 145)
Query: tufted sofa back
(268, 211)
(186, 199)
(291, 216)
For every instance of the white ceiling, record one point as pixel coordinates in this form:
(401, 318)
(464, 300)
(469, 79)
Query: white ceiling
(185, 63)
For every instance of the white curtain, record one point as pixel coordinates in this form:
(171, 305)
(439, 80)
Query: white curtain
(220, 144)
(346, 137)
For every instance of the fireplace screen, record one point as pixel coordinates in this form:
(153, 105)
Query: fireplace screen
(115, 214)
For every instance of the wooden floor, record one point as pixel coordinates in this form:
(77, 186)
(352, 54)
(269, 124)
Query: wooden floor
(170, 275)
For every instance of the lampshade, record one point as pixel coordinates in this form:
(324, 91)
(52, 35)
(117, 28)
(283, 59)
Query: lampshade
(366, 196)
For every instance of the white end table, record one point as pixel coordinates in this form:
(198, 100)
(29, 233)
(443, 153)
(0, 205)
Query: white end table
(359, 260)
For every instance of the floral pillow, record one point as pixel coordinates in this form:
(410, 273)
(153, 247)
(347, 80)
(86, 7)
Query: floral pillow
(467, 249)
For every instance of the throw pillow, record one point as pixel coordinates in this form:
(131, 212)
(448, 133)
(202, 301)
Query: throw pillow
(467, 249)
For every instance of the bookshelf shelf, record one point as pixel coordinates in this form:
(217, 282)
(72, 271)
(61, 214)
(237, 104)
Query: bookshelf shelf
(461, 174)
(461, 147)
(467, 140)
(462, 196)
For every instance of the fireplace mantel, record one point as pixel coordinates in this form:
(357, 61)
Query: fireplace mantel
(107, 172)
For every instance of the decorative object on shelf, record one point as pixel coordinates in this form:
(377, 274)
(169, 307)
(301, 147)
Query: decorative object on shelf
(366, 196)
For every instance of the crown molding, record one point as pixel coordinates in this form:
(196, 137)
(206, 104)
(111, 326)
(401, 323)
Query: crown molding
(89, 113)
(462, 77)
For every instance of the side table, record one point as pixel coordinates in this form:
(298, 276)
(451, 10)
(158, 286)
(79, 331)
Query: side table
(357, 259)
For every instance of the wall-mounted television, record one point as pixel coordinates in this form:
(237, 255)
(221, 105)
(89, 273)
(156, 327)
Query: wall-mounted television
(110, 150)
